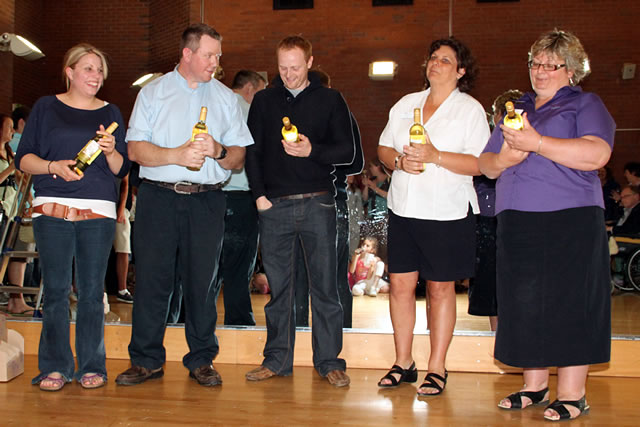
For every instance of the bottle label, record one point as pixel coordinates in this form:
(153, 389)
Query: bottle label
(290, 137)
(89, 152)
(417, 139)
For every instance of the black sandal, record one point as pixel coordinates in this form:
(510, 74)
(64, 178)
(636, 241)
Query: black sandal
(429, 382)
(558, 406)
(516, 399)
(406, 376)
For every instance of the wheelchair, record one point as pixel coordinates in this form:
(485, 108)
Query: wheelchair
(627, 262)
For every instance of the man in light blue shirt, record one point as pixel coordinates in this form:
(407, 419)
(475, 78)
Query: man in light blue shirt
(180, 208)
(240, 246)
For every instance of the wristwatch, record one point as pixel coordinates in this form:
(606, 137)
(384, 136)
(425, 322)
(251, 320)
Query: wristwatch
(223, 153)
(397, 162)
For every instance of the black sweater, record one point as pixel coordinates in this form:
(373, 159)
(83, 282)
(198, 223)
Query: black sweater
(342, 172)
(319, 113)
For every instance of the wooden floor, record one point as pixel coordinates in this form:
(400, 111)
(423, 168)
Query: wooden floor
(303, 399)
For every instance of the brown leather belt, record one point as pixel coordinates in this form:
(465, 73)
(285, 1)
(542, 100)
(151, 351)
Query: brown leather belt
(65, 212)
(299, 196)
(184, 187)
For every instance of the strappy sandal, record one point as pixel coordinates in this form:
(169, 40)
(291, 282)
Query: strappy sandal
(430, 382)
(516, 399)
(406, 376)
(558, 406)
(87, 381)
(57, 383)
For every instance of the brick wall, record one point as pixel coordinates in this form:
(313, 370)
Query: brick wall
(143, 35)
(7, 18)
(349, 36)
(120, 28)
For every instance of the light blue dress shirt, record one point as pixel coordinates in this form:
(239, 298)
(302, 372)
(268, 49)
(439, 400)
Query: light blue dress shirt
(166, 111)
(239, 180)
(15, 141)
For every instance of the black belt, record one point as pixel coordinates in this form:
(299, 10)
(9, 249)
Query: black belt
(185, 187)
(299, 196)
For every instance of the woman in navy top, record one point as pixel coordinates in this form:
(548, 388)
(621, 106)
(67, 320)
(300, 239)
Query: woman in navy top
(553, 285)
(73, 215)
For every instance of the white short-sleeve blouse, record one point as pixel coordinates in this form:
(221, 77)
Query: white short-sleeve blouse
(459, 125)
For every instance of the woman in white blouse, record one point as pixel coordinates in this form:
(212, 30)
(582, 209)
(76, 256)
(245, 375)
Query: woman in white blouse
(432, 204)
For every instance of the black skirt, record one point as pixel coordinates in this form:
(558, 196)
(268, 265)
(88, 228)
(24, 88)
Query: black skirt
(553, 288)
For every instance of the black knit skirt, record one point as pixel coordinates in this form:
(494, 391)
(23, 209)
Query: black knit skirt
(553, 288)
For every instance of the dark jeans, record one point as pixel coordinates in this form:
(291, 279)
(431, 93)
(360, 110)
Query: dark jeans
(186, 229)
(312, 221)
(342, 279)
(238, 260)
(59, 241)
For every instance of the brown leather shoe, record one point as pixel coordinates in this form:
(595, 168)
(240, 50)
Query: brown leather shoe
(137, 375)
(206, 375)
(259, 374)
(338, 378)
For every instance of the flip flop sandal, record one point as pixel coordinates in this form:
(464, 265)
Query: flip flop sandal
(558, 406)
(406, 376)
(58, 383)
(429, 382)
(25, 313)
(516, 399)
(87, 381)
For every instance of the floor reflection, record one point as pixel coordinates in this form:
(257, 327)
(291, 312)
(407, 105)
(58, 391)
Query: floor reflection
(373, 313)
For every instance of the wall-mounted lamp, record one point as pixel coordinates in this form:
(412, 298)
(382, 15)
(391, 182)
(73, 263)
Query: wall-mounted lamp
(20, 46)
(382, 70)
(144, 80)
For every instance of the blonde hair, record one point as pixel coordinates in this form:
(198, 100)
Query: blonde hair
(567, 46)
(74, 55)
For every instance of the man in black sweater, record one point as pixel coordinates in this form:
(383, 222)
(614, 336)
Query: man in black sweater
(292, 183)
(342, 232)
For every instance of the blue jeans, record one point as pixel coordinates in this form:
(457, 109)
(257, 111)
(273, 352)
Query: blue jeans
(59, 242)
(342, 253)
(312, 222)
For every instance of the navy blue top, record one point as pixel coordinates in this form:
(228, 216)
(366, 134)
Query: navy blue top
(56, 131)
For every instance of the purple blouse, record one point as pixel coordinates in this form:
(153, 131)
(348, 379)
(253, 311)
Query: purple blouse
(539, 184)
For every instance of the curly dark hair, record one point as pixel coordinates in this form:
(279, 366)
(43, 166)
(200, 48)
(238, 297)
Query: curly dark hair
(463, 56)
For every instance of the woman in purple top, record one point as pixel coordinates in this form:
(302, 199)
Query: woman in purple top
(553, 261)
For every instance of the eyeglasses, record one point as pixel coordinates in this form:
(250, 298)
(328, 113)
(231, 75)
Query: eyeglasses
(547, 67)
(624, 196)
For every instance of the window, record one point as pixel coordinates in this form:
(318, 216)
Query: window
(292, 4)
(392, 2)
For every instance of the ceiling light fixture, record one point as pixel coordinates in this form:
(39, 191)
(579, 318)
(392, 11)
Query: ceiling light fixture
(382, 70)
(20, 46)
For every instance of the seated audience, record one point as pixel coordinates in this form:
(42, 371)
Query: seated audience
(629, 223)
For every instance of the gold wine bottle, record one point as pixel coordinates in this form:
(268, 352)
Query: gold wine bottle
(289, 131)
(90, 151)
(200, 127)
(513, 119)
(417, 133)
